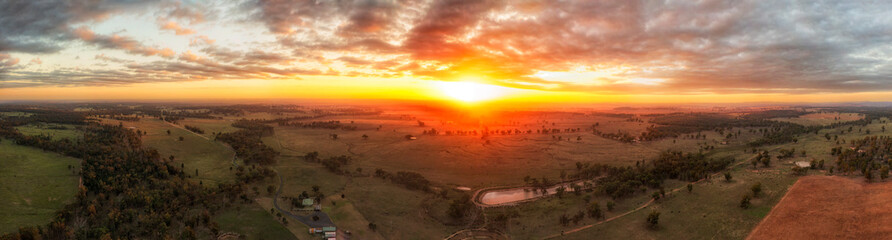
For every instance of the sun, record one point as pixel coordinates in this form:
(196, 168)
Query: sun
(466, 91)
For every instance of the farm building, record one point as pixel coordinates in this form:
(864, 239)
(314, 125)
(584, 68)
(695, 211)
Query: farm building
(307, 202)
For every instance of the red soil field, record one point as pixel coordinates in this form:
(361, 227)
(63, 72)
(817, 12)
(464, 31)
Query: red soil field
(829, 207)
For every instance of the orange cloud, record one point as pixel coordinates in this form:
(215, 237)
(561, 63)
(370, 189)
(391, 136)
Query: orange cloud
(201, 40)
(171, 25)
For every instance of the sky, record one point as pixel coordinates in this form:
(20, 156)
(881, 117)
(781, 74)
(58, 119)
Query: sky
(462, 50)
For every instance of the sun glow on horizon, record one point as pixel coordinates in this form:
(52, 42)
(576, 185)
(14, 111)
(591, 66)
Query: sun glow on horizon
(469, 92)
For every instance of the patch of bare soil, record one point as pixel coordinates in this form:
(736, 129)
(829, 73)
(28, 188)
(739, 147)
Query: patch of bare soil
(830, 207)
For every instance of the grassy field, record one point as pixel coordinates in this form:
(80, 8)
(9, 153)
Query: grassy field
(469, 160)
(344, 213)
(398, 213)
(252, 222)
(454, 161)
(212, 159)
(46, 128)
(210, 126)
(35, 185)
(711, 211)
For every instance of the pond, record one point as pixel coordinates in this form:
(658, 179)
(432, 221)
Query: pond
(510, 195)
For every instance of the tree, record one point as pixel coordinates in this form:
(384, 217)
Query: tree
(690, 187)
(168, 131)
(745, 201)
(181, 138)
(364, 137)
(757, 189)
(610, 205)
(372, 226)
(655, 196)
(653, 219)
(727, 176)
(560, 191)
(884, 172)
(594, 210)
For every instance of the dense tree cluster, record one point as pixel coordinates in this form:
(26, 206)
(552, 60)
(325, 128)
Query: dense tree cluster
(247, 142)
(334, 124)
(619, 136)
(678, 124)
(624, 181)
(194, 129)
(128, 192)
(410, 180)
(335, 163)
(459, 207)
(866, 155)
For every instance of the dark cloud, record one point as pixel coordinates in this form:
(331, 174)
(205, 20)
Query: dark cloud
(748, 46)
(695, 46)
(177, 11)
(40, 26)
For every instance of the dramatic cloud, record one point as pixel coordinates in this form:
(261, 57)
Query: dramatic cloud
(120, 42)
(41, 26)
(608, 47)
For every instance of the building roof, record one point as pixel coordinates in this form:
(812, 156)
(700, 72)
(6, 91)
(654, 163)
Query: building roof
(308, 202)
(329, 229)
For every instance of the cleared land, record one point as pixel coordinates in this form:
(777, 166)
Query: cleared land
(828, 207)
(252, 222)
(475, 162)
(56, 131)
(212, 159)
(34, 185)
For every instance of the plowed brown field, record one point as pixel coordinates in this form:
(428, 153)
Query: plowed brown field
(827, 207)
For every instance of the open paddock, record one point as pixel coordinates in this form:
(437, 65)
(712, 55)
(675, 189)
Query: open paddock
(35, 184)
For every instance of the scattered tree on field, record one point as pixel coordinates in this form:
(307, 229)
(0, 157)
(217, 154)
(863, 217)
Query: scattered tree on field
(653, 219)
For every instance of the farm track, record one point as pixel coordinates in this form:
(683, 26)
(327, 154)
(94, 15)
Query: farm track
(477, 195)
(648, 203)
